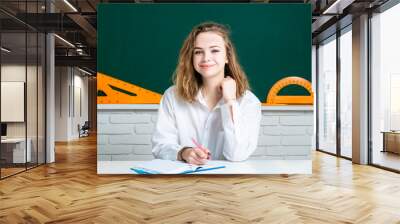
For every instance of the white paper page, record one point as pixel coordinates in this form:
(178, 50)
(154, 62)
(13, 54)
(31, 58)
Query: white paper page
(171, 167)
(165, 166)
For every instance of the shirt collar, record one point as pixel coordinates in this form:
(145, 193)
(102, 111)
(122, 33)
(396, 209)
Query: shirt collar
(202, 101)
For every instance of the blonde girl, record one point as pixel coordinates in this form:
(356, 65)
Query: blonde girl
(209, 112)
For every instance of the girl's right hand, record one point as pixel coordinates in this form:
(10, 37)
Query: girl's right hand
(196, 156)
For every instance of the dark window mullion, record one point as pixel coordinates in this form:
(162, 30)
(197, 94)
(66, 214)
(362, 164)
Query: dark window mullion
(44, 72)
(338, 98)
(317, 97)
(26, 87)
(0, 98)
(37, 90)
(369, 91)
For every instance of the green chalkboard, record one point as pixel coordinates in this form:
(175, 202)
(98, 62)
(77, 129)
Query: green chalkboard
(140, 43)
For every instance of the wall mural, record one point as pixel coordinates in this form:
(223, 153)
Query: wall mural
(138, 47)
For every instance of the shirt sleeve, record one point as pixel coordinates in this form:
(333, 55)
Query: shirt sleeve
(240, 130)
(165, 141)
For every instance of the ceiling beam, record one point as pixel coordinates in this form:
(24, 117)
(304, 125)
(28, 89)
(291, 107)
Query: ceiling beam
(83, 61)
(86, 26)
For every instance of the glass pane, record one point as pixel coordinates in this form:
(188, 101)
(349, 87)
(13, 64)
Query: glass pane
(22, 67)
(32, 85)
(386, 89)
(41, 98)
(31, 95)
(13, 86)
(345, 93)
(327, 97)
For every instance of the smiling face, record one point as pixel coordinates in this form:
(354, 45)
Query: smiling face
(209, 55)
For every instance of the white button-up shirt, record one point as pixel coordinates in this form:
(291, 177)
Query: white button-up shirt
(227, 138)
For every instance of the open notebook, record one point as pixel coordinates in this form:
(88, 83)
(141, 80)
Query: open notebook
(159, 166)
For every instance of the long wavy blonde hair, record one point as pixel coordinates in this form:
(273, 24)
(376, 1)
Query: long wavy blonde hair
(188, 81)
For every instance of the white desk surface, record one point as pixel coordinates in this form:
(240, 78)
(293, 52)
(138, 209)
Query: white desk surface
(13, 140)
(246, 167)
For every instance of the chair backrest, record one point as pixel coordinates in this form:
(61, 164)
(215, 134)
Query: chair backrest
(86, 125)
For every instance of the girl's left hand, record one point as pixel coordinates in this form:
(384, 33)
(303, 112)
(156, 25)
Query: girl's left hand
(228, 86)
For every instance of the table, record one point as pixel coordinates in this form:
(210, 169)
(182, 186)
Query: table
(17, 150)
(391, 141)
(246, 167)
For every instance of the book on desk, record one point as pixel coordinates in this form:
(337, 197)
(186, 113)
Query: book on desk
(159, 166)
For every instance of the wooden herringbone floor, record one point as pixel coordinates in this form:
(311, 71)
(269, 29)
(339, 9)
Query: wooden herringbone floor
(70, 191)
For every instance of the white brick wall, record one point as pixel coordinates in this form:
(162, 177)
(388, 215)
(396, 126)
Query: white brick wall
(124, 133)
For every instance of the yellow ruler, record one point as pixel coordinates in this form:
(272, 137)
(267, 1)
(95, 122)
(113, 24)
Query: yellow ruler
(115, 91)
(274, 99)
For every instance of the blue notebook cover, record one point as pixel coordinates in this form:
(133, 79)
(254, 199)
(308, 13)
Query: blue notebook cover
(158, 166)
(198, 169)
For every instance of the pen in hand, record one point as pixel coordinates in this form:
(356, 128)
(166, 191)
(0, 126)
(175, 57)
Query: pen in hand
(201, 147)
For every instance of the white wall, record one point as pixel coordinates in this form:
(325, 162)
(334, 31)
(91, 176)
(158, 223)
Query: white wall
(124, 133)
(13, 72)
(61, 103)
(81, 94)
(71, 87)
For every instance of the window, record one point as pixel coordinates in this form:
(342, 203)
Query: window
(327, 95)
(385, 88)
(346, 92)
(23, 77)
